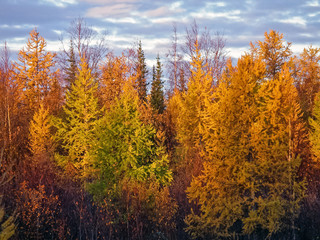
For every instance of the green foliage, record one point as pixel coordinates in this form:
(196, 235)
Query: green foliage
(126, 147)
(77, 130)
(157, 95)
(141, 72)
(131, 170)
(71, 71)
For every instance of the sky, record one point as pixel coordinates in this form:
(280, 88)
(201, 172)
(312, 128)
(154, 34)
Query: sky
(127, 21)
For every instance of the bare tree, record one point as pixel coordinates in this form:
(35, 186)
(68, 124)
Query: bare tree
(212, 49)
(5, 68)
(85, 43)
(174, 60)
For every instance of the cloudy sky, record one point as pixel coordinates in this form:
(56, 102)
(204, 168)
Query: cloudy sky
(127, 21)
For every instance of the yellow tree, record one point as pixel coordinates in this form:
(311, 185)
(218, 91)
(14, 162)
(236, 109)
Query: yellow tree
(186, 110)
(278, 136)
(308, 75)
(192, 105)
(225, 188)
(115, 73)
(37, 201)
(40, 140)
(315, 129)
(253, 139)
(42, 170)
(308, 85)
(34, 71)
(274, 52)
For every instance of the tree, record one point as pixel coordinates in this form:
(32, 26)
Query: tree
(274, 51)
(128, 164)
(126, 146)
(7, 223)
(37, 212)
(157, 95)
(174, 62)
(85, 43)
(71, 70)
(141, 73)
(211, 48)
(77, 129)
(40, 138)
(315, 132)
(280, 133)
(187, 109)
(252, 139)
(115, 73)
(34, 72)
(192, 103)
(223, 189)
(12, 125)
(308, 73)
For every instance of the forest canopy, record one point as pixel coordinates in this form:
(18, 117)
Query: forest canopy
(95, 145)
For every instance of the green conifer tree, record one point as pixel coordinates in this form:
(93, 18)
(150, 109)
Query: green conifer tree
(126, 147)
(141, 72)
(77, 129)
(71, 71)
(131, 169)
(157, 95)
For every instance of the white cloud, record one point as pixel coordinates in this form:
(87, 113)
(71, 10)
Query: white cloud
(236, 52)
(313, 14)
(121, 9)
(216, 4)
(313, 3)
(159, 12)
(230, 15)
(106, 2)
(295, 20)
(22, 26)
(58, 32)
(298, 48)
(163, 11)
(170, 20)
(121, 20)
(60, 3)
(308, 35)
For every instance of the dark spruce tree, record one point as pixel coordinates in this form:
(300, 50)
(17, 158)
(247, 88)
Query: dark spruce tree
(141, 71)
(72, 70)
(157, 94)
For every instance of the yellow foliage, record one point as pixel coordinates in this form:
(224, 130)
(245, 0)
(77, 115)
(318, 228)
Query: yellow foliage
(34, 72)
